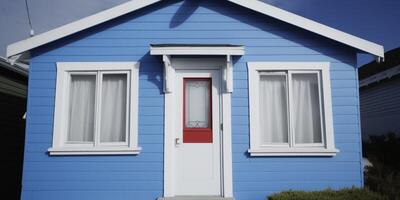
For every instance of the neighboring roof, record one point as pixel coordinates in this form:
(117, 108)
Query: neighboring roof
(375, 72)
(392, 59)
(13, 79)
(16, 67)
(255, 5)
(380, 76)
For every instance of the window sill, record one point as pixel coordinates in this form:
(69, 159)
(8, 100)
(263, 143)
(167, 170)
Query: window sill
(293, 152)
(94, 151)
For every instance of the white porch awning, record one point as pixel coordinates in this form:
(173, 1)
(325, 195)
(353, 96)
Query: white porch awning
(168, 50)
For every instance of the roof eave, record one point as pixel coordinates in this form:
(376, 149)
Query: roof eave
(313, 26)
(76, 26)
(255, 5)
(19, 68)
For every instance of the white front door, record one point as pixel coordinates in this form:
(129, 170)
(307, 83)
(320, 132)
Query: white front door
(197, 140)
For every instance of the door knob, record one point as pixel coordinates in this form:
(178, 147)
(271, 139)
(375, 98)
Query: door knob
(177, 141)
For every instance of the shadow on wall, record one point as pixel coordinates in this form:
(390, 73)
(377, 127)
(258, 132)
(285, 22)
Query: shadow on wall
(184, 12)
(259, 21)
(151, 69)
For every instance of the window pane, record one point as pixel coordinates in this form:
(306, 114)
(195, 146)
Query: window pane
(113, 108)
(81, 108)
(306, 116)
(197, 103)
(273, 109)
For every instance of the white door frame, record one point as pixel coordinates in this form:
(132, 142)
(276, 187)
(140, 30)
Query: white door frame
(189, 176)
(169, 126)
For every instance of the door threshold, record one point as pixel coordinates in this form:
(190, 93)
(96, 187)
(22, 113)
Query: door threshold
(196, 198)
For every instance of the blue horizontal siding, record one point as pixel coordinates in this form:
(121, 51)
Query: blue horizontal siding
(89, 194)
(254, 58)
(141, 177)
(137, 185)
(110, 51)
(94, 176)
(380, 109)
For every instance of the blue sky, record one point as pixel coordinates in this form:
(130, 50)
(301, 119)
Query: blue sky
(374, 20)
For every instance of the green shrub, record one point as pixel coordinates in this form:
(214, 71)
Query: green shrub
(344, 194)
(384, 176)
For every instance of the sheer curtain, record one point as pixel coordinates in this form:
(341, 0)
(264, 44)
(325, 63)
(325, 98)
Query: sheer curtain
(113, 108)
(307, 124)
(81, 108)
(273, 109)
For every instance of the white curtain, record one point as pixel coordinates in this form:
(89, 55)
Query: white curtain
(197, 97)
(273, 109)
(307, 124)
(81, 108)
(113, 108)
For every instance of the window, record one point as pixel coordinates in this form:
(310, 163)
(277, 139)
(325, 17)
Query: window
(96, 108)
(290, 109)
(197, 110)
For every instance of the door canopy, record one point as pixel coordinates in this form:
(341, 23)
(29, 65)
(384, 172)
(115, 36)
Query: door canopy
(168, 50)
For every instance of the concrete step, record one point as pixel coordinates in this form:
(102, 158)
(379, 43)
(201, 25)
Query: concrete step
(195, 198)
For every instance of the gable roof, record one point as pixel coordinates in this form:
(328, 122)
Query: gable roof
(255, 5)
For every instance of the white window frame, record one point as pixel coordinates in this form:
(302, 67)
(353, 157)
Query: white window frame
(327, 147)
(60, 145)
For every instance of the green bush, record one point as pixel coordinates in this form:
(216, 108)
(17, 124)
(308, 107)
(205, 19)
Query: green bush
(344, 194)
(384, 176)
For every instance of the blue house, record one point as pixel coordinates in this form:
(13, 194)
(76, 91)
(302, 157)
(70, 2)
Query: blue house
(151, 99)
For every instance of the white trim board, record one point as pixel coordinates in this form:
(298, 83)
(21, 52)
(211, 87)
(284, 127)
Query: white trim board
(91, 151)
(255, 5)
(327, 148)
(173, 50)
(76, 26)
(64, 71)
(169, 127)
(197, 50)
(313, 26)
